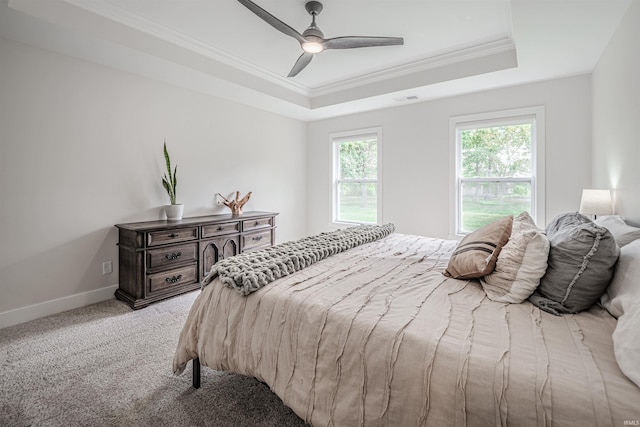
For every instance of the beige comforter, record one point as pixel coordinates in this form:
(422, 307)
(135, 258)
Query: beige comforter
(378, 336)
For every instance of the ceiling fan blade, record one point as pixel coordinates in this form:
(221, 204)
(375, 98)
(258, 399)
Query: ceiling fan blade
(350, 42)
(302, 62)
(272, 20)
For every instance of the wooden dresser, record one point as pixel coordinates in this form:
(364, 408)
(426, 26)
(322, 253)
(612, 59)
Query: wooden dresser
(161, 259)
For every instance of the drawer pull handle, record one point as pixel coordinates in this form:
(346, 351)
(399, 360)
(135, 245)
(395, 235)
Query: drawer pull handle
(173, 279)
(173, 235)
(173, 255)
(219, 228)
(257, 238)
(257, 223)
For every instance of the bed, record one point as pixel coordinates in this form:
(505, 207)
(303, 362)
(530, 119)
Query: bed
(378, 334)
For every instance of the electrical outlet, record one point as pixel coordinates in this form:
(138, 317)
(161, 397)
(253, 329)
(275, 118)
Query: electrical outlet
(107, 267)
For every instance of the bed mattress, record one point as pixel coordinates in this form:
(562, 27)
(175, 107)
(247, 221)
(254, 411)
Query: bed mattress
(377, 335)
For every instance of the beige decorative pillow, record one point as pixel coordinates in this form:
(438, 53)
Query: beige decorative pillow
(521, 263)
(477, 253)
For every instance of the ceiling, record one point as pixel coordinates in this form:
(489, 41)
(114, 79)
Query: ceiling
(221, 48)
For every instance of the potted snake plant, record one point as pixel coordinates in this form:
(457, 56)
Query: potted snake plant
(169, 182)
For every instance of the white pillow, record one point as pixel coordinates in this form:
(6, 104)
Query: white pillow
(521, 263)
(624, 289)
(622, 232)
(626, 342)
(622, 300)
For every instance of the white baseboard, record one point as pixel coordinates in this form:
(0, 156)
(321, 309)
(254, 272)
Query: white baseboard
(46, 308)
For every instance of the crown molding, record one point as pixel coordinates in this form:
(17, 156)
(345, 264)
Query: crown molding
(120, 16)
(162, 32)
(503, 44)
(155, 29)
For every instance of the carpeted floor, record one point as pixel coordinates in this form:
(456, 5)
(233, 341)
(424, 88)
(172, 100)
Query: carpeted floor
(107, 365)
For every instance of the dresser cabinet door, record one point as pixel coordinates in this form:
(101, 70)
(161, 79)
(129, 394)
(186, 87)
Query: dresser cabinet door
(214, 250)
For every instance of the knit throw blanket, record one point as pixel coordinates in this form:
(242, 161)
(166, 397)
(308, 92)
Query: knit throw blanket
(250, 271)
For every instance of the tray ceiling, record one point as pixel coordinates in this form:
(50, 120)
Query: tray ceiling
(221, 48)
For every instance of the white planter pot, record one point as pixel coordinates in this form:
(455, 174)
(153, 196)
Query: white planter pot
(174, 212)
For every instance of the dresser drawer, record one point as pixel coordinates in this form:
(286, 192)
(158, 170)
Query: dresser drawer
(173, 255)
(220, 229)
(176, 277)
(256, 240)
(255, 224)
(176, 235)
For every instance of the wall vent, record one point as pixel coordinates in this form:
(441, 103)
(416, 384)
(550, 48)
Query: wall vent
(406, 98)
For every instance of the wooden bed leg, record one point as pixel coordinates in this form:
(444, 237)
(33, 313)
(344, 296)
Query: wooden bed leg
(196, 373)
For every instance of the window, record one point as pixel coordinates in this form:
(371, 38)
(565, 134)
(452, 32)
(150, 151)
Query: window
(499, 167)
(356, 177)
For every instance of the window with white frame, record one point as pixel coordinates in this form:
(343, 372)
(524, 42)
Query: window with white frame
(499, 167)
(356, 176)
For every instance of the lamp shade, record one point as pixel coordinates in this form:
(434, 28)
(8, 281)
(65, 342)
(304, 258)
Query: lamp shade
(596, 202)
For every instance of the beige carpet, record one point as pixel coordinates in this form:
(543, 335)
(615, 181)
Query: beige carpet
(107, 365)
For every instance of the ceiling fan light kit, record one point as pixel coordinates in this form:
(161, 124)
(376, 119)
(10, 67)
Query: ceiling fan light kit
(312, 39)
(312, 47)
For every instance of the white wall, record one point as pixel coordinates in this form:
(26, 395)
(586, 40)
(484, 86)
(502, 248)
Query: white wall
(81, 150)
(616, 117)
(416, 163)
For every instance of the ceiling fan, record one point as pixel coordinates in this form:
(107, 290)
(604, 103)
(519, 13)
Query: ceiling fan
(312, 39)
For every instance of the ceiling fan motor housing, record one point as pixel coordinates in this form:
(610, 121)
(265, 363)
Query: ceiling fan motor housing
(313, 7)
(312, 32)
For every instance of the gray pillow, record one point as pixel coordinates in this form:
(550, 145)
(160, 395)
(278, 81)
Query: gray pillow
(581, 262)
